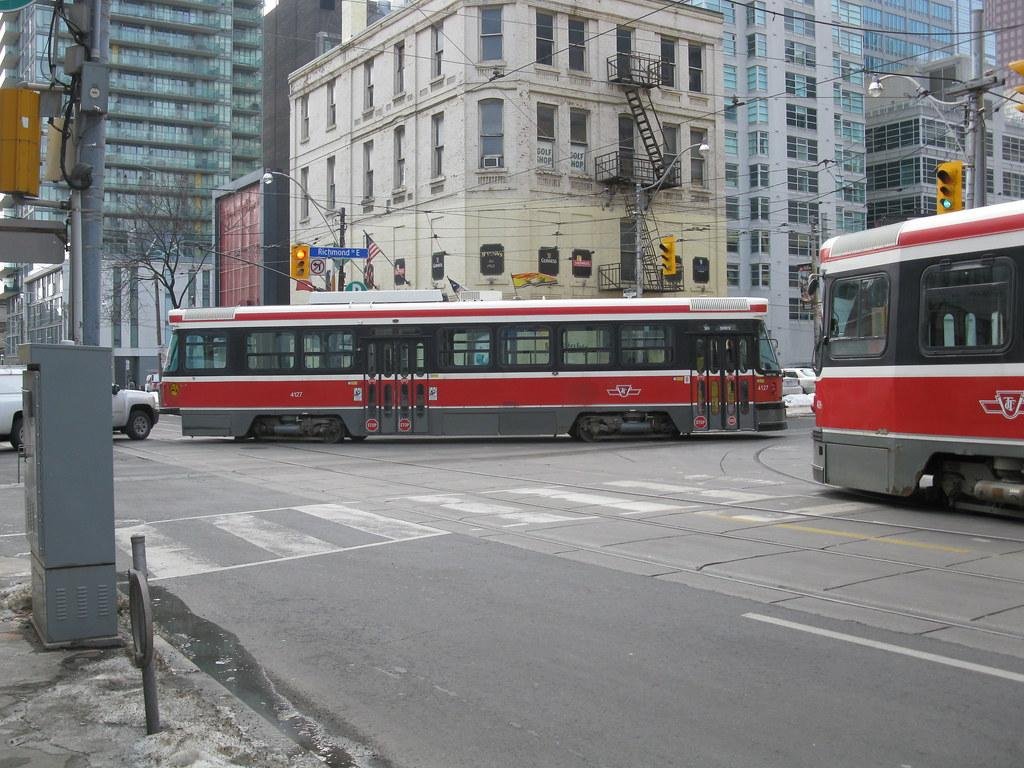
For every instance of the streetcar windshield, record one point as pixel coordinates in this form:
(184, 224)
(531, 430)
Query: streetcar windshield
(766, 352)
(172, 354)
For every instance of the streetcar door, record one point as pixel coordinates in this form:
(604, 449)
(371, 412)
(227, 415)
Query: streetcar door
(722, 386)
(395, 386)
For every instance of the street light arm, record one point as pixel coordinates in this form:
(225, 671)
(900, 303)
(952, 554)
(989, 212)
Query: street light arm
(701, 147)
(875, 89)
(268, 179)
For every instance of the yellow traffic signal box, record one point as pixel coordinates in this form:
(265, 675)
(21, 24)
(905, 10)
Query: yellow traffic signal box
(667, 246)
(19, 141)
(949, 186)
(300, 262)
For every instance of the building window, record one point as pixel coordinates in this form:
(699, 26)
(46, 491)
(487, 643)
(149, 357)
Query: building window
(732, 175)
(368, 85)
(671, 149)
(799, 148)
(757, 78)
(399, 68)
(758, 143)
(545, 38)
(760, 275)
(546, 117)
(304, 200)
(732, 143)
(732, 275)
(698, 163)
(802, 213)
(577, 45)
(399, 157)
(578, 123)
(437, 48)
(331, 188)
(757, 112)
(802, 180)
(368, 170)
(759, 209)
(490, 33)
(332, 105)
(695, 58)
(732, 207)
(797, 309)
(758, 175)
(492, 136)
(757, 44)
(729, 77)
(732, 241)
(804, 86)
(668, 62)
(760, 241)
(437, 140)
(304, 117)
(799, 116)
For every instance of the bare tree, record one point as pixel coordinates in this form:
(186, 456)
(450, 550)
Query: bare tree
(160, 235)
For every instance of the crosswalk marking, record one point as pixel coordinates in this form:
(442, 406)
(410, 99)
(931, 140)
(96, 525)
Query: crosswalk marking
(273, 537)
(593, 499)
(516, 516)
(168, 557)
(369, 522)
(717, 494)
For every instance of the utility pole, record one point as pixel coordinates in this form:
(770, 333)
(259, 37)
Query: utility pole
(91, 129)
(975, 90)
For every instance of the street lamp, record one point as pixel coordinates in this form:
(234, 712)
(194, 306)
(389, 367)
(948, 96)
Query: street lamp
(876, 89)
(268, 179)
(640, 209)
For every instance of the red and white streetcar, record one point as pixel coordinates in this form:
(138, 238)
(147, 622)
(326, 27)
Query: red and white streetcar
(921, 359)
(589, 368)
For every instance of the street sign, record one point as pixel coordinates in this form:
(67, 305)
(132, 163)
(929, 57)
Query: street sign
(330, 252)
(317, 266)
(355, 285)
(14, 5)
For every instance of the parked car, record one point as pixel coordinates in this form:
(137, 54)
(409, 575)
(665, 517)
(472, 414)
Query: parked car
(133, 411)
(152, 382)
(791, 385)
(804, 376)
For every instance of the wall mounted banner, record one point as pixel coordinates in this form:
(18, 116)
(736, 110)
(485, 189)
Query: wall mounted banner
(437, 265)
(492, 259)
(547, 261)
(582, 263)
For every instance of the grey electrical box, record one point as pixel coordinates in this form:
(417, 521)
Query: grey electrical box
(69, 493)
(95, 87)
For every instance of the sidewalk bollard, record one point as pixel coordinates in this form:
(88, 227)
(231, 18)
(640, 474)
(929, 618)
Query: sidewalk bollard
(142, 630)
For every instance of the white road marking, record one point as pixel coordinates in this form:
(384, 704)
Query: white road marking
(597, 500)
(751, 517)
(369, 522)
(165, 557)
(273, 537)
(898, 649)
(719, 494)
(517, 516)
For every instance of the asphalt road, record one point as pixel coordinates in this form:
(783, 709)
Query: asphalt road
(549, 603)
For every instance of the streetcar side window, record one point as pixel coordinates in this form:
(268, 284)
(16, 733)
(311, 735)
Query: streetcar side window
(525, 346)
(645, 344)
(270, 350)
(966, 307)
(328, 350)
(586, 345)
(466, 348)
(206, 351)
(859, 316)
(767, 361)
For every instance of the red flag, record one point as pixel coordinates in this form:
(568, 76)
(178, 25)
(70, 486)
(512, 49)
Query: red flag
(304, 285)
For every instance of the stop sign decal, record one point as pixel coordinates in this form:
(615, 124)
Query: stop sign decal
(404, 425)
(700, 422)
(372, 425)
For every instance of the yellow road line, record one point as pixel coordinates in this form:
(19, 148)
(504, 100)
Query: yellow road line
(879, 539)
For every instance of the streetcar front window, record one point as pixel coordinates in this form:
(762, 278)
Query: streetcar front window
(172, 355)
(768, 362)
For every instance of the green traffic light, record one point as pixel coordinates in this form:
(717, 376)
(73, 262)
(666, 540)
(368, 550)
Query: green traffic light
(947, 204)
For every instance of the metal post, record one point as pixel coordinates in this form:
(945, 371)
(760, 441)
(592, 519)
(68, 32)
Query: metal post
(977, 101)
(92, 134)
(75, 331)
(142, 631)
(638, 242)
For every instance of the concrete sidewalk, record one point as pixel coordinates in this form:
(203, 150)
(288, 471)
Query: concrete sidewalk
(83, 708)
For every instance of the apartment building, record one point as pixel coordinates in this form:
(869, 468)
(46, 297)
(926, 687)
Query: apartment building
(476, 141)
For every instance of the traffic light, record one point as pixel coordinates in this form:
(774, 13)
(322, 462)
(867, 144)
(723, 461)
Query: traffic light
(667, 246)
(949, 186)
(300, 262)
(1018, 67)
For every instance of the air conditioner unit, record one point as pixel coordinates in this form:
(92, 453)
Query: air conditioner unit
(493, 161)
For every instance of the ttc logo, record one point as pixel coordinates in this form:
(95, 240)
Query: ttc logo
(624, 390)
(1009, 404)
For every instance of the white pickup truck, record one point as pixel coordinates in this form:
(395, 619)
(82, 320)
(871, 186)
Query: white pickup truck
(134, 411)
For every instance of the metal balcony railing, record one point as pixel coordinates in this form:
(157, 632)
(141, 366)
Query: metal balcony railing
(624, 167)
(636, 69)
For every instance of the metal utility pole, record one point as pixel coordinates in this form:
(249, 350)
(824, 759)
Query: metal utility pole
(975, 90)
(91, 128)
(638, 241)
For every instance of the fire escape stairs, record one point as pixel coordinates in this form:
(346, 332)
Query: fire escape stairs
(646, 129)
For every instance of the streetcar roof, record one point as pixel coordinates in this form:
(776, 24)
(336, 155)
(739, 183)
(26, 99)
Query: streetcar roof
(993, 226)
(480, 311)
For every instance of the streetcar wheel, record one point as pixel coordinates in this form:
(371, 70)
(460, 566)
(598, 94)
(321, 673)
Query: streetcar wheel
(588, 430)
(334, 432)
